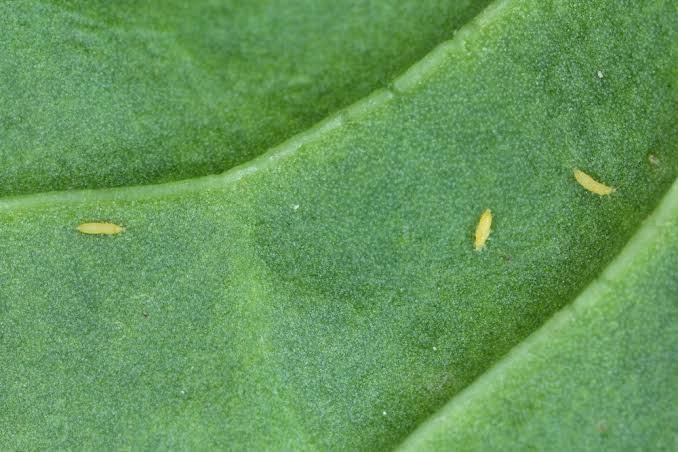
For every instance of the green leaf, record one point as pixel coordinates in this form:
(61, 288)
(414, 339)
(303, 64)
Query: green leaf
(328, 295)
(101, 94)
(600, 375)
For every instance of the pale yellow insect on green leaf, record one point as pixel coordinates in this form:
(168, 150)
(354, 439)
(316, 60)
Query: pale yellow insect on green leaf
(100, 228)
(591, 184)
(483, 229)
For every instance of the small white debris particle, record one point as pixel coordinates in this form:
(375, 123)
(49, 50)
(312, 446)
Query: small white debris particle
(384, 413)
(183, 392)
(600, 74)
(295, 207)
(434, 349)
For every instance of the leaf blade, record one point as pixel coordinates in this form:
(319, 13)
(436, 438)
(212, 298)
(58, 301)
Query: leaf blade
(298, 301)
(599, 375)
(99, 95)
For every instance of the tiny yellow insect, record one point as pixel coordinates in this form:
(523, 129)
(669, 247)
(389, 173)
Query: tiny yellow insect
(100, 228)
(483, 229)
(591, 184)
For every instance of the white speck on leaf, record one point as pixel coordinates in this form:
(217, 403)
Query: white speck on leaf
(600, 74)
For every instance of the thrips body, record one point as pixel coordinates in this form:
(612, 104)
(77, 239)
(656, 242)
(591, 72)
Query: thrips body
(591, 184)
(100, 228)
(483, 229)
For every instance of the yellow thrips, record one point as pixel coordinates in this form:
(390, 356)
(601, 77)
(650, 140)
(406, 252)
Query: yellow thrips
(591, 184)
(483, 229)
(100, 228)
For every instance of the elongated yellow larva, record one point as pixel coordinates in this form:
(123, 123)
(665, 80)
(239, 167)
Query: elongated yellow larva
(483, 229)
(100, 228)
(591, 184)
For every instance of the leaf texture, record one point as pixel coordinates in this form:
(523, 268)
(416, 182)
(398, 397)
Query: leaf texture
(100, 94)
(327, 295)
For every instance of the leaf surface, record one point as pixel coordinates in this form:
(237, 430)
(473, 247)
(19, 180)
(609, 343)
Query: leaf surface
(100, 94)
(600, 375)
(328, 294)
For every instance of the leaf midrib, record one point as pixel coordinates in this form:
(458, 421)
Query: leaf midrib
(407, 82)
